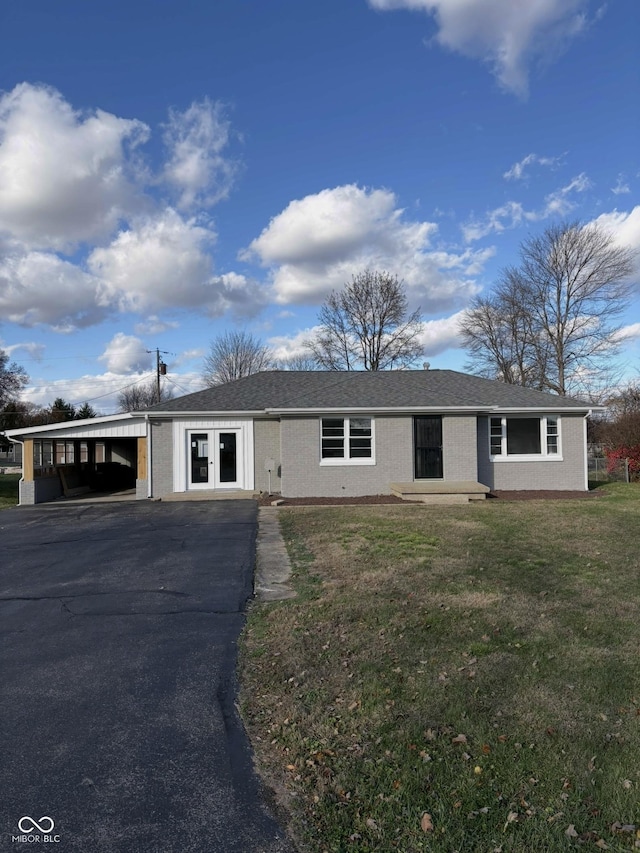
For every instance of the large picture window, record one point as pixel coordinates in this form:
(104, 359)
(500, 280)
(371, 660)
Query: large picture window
(525, 437)
(346, 441)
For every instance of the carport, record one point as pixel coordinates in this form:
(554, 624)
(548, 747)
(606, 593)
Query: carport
(77, 457)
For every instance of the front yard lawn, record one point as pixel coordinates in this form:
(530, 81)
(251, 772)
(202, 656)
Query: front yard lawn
(454, 678)
(8, 490)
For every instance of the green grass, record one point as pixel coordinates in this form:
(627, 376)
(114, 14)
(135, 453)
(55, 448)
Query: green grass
(8, 490)
(516, 625)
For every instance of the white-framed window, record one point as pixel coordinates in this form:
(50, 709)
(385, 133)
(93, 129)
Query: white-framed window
(347, 441)
(524, 437)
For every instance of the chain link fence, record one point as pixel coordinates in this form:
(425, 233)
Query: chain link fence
(599, 471)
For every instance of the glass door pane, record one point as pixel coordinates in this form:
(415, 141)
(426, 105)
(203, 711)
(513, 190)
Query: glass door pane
(199, 457)
(227, 461)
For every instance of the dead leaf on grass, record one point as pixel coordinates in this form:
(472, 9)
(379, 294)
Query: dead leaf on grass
(570, 831)
(459, 739)
(511, 818)
(426, 824)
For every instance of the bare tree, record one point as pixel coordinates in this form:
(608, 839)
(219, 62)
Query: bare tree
(297, 362)
(551, 323)
(234, 355)
(499, 335)
(366, 326)
(624, 402)
(142, 395)
(13, 378)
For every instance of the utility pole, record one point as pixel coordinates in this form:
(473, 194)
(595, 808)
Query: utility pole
(161, 368)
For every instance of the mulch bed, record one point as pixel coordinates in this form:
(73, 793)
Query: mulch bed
(533, 495)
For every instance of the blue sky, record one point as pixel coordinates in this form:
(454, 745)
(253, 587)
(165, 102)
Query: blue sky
(170, 170)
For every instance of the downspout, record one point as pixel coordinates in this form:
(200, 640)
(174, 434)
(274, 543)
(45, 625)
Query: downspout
(21, 480)
(586, 454)
(149, 457)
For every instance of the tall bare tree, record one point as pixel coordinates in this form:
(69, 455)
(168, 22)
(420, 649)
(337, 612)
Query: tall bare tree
(234, 355)
(366, 326)
(142, 395)
(551, 322)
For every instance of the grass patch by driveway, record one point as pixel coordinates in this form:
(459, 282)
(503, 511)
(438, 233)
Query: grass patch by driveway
(8, 490)
(454, 678)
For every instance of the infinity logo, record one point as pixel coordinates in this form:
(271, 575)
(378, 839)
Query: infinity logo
(28, 824)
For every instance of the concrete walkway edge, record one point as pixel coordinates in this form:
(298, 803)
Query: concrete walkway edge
(273, 568)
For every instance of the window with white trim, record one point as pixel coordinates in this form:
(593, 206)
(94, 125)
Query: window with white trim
(524, 437)
(346, 441)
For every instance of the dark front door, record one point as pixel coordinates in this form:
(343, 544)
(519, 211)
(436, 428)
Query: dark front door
(427, 443)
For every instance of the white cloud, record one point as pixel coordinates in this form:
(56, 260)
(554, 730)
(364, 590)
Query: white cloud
(36, 351)
(560, 202)
(628, 333)
(69, 178)
(512, 213)
(517, 171)
(64, 177)
(509, 36)
(126, 354)
(40, 287)
(625, 227)
(508, 215)
(163, 261)
(102, 390)
(621, 187)
(319, 242)
(154, 325)
(291, 346)
(440, 335)
(197, 169)
(436, 336)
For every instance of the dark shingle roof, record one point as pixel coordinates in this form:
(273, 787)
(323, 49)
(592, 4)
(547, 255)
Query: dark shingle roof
(398, 389)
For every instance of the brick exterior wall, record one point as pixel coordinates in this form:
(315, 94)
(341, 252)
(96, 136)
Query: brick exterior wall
(303, 476)
(459, 447)
(142, 487)
(266, 445)
(568, 474)
(161, 458)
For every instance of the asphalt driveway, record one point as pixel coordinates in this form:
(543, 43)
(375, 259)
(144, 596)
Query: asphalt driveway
(119, 625)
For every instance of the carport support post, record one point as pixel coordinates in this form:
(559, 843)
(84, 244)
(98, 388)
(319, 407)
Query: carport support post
(142, 458)
(27, 461)
(27, 486)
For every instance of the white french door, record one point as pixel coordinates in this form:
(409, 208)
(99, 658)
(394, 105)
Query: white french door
(214, 459)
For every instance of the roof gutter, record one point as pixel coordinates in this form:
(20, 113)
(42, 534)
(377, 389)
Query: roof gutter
(485, 410)
(229, 413)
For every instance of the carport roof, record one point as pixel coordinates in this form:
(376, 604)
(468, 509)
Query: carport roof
(129, 424)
